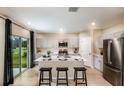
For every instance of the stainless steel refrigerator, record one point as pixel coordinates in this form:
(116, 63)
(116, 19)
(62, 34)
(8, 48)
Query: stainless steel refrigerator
(113, 58)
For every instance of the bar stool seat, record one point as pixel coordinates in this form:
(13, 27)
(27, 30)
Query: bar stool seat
(46, 69)
(62, 69)
(76, 78)
(42, 70)
(80, 68)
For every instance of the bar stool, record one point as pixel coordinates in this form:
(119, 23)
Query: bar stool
(62, 69)
(42, 70)
(84, 78)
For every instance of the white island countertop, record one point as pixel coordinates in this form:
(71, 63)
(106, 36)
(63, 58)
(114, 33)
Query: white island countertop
(73, 61)
(56, 58)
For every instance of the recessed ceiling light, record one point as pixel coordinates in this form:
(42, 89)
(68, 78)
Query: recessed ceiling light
(29, 23)
(93, 23)
(61, 30)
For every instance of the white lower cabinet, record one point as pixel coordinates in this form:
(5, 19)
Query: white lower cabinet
(98, 62)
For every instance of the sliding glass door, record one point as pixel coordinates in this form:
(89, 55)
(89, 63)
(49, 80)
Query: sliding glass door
(24, 54)
(15, 55)
(19, 54)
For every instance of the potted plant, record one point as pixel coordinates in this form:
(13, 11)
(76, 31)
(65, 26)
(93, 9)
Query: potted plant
(48, 53)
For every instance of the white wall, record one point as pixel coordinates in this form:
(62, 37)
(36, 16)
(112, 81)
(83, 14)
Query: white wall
(96, 41)
(16, 30)
(2, 46)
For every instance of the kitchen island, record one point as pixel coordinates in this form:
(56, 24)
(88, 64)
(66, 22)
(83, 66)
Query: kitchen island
(54, 62)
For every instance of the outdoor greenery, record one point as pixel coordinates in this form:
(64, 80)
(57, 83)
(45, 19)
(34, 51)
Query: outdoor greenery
(15, 56)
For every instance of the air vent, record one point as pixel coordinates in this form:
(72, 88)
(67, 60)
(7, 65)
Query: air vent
(73, 9)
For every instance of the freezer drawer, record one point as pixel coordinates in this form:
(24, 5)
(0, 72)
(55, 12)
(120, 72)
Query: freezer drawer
(113, 76)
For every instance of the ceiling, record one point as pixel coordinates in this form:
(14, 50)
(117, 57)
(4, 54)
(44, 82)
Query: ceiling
(52, 19)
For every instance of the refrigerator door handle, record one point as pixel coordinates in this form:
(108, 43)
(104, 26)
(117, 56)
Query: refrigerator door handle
(109, 52)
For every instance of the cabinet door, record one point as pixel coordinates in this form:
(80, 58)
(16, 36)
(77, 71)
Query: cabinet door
(98, 63)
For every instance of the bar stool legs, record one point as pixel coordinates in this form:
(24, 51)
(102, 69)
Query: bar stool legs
(74, 75)
(42, 70)
(62, 69)
(49, 78)
(67, 77)
(57, 78)
(76, 78)
(84, 78)
(65, 70)
(40, 78)
(42, 75)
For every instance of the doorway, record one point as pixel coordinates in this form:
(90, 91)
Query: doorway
(20, 52)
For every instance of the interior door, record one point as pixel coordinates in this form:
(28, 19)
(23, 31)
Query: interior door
(85, 50)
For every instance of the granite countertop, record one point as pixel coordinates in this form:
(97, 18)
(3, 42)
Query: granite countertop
(62, 58)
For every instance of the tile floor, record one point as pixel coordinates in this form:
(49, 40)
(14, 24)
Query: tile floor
(30, 78)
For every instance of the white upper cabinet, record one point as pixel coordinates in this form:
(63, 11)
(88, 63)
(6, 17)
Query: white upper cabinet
(51, 41)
